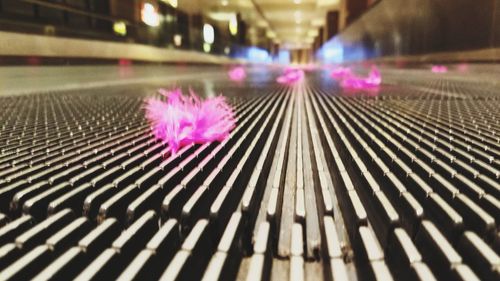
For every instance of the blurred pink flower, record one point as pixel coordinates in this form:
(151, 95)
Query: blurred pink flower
(341, 72)
(182, 120)
(351, 81)
(290, 76)
(439, 69)
(237, 73)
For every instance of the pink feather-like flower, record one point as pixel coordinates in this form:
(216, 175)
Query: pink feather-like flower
(341, 72)
(290, 76)
(439, 69)
(182, 120)
(237, 74)
(351, 81)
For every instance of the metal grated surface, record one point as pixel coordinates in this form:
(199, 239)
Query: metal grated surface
(313, 184)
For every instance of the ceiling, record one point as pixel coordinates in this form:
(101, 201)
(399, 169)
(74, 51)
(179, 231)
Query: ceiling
(291, 23)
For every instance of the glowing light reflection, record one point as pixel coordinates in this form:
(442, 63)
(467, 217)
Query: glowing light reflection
(149, 15)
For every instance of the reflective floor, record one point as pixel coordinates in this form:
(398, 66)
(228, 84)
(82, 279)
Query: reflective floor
(315, 182)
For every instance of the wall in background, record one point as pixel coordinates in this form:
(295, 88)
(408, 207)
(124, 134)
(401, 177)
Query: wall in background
(411, 27)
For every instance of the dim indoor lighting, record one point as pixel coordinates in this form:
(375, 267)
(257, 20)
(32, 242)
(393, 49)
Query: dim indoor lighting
(120, 28)
(233, 25)
(149, 15)
(208, 33)
(207, 47)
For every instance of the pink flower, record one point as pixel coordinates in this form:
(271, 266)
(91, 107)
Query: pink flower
(290, 76)
(350, 81)
(182, 120)
(237, 74)
(439, 69)
(341, 72)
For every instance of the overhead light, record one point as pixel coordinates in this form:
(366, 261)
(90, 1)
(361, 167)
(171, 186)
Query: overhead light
(207, 47)
(317, 22)
(120, 28)
(270, 34)
(208, 33)
(298, 17)
(221, 16)
(224, 2)
(323, 3)
(233, 25)
(177, 40)
(297, 1)
(169, 18)
(262, 23)
(149, 15)
(173, 3)
(312, 33)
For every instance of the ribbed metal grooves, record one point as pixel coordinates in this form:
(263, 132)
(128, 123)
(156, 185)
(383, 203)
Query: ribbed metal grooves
(312, 184)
